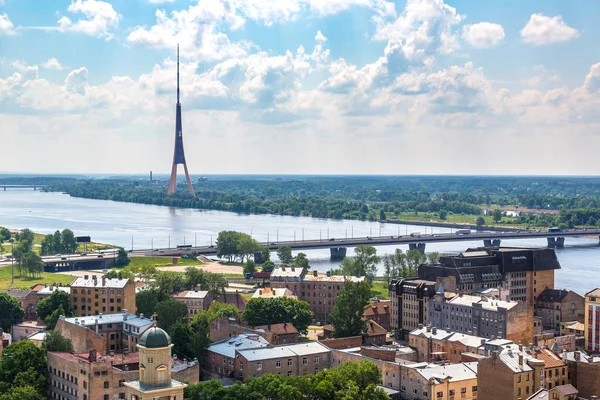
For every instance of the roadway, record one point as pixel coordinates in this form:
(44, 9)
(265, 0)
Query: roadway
(382, 241)
(72, 259)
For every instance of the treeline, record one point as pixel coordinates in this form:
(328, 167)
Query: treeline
(351, 380)
(59, 243)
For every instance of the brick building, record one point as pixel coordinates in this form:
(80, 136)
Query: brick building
(234, 298)
(221, 355)
(525, 273)
(562, 392)
(409, 299)
(272, 293)
(379, 312)
(104, 333)
(584, 373)
(195, 301)
(27, 300)
(93, 295)
(425, 381)
(275, 334)
(517, 372)
(592, 321)
(25, 329)
(296, 359)
(320, 291)
(481, 316)
(557, 306)
(93, 376)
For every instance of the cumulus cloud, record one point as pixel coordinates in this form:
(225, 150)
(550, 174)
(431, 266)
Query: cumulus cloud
(319, 37)
(99, 18)
(6, 26)
(542, 30)
(52, 63)
(160, 1)
(483, 35)
(77, 80)
(592, 79)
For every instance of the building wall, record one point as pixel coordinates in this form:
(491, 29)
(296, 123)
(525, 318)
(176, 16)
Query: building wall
(97, 300)
(537, 281)
(519, 324)
(83, 339)
(587, 379)
(343, 343)
(21, 332)
(496, 381)
(592, 324)
(290, 365)
(390, 370)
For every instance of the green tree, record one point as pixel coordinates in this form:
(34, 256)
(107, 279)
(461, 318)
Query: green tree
(147, 299)
(170, 281)
(268, 266)
(433, 257)
(284, 253)
(69, 244)
(4, 234)
(301, 261)
(227, 244)
(122, 258)
(194, 278)
(22, 393)
(480, 222)
(200, 338)
(382, 216)
(170, 311)
(24, 361)
(58, 243)
(363, 263)
(48, 245)
(119, 274)
(47, 306)
(10, 312)
(265, 254)
(32, 264)
(53, 318)
(27, 235)
(222, 310)
(181, 335)
(54, 341)
(347, 313)
(246, 246)
(215, 283)
(249, 266)
(261, 311)
(497, 215)
(443, 214)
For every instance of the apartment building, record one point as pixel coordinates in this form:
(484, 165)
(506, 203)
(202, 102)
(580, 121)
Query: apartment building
(296, 359)
(592, 321)
(517, 372)
(584, 373)
(104, 333)
(272, 293)
(557, 306)
(94, 376)
(320, 291)
(25, 329)
(221, 355)
(195, 300)
(409, 301)
(423, 381)
(379, 312)
(434, 345)
(91, 295)
(27, 300)
(275, 334)
(481, 316)
(525, 273)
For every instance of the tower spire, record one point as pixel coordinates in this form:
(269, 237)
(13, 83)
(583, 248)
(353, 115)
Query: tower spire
(177, 73)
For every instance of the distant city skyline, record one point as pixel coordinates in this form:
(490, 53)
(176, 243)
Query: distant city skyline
(301, 86)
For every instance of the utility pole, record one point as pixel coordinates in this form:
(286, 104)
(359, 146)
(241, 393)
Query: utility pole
(294, 236)
(327, 233)
(320, 238)
(379, 230)
(346, 233)
(303, 234)
(370, 232)
(352, 231)
(152, 244)
(277, 235)
(132, 243)
(195, 243)
(169, 241)
(268, 238)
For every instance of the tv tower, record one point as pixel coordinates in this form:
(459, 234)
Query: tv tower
(179, 155)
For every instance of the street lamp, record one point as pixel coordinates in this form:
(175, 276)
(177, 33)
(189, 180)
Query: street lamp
(12, 261)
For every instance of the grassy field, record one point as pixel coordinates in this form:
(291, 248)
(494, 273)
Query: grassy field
(381, 290)
(27, 282)
(138, 262)
(453, 219)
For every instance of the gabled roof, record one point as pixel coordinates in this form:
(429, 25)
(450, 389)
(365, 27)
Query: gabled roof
(594, 293)
(374, 329)
(552, 295)
(567, 390)
(227, 347)
(380, 307)
(278, 329)
(453, 372)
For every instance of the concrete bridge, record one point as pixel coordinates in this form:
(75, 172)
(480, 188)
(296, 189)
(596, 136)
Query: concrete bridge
(34, 187)
(70, 262)
(414, 241)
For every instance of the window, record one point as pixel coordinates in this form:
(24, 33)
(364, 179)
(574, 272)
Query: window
(305, 361)
(518, 391)
(106, 385)
(518, 378)
(463, 390)
(474, 389)
(259, 366)
(106, 397)
(451, 393)
(289, 362)
(278, 364)
(241, 367)
(151, 360)
(316, 359)
(440, 395)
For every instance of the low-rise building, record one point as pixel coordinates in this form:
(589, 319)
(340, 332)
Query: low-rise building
(425, 381)
(584, 373)
(275, 334)
(561, 392)
(481, 316)
(94, 376)
(517, 372)
(91, 295)
(296, 359)
(25, 329)
(221, 355)
(409, 300)
(27, 300)
(375, 334)
(38, 338)
(379, 311)
(592, 321)
(272, 293)
(5, 340)
(104, 333)
(556, 306)
(47, 290)
(195, 301)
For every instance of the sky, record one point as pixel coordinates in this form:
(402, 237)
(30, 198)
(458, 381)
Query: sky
(502, 87)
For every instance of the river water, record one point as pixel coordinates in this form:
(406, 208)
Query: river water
(147, 226)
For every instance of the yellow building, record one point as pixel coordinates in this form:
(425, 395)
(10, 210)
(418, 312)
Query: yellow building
(592, 321)
(155, 381)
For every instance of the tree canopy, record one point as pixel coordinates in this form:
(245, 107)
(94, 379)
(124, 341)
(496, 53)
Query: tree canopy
(260, 311)
(54, 341)
(47, 306)
(363, 263)
(236, 245)
(10, 311)
(23, 371)
(347, 313)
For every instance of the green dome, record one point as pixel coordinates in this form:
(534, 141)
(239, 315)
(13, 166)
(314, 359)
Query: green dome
(155, 338)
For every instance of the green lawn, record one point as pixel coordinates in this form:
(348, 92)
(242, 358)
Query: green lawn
(138, 262)
(381, 290)
(27, 282)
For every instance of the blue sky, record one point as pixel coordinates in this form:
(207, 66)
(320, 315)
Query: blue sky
(301, 86)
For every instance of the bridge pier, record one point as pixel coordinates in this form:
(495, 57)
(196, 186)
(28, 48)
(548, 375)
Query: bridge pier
(417, 246)
(258, 258)
(491, 242)
(556, 242)
(337, 253)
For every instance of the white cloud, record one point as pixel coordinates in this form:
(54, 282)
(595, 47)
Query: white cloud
(99, 18)
(160, 1)
(543, 30)
(483, 35)
(77, 80)
(319, 37)
(592, 79)
(6, 26)
(52, 63)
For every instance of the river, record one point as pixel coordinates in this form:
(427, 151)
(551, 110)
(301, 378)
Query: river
(145, 226)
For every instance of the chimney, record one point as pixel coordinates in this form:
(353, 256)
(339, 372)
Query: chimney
(315, 273)
(420, 326)
(520, 347)
(293, 268)
(260, 292)
(494, 354)
(92, 355)
(124, 316)
(577, 355)
(125, 311)
(96, 322)
(328, 273)
(434, 330)
(94, 277)
(100, 315)
(482, 342)
(142, 315)
(103, 281)
(282, 268)
(86, 277)
(520, 359)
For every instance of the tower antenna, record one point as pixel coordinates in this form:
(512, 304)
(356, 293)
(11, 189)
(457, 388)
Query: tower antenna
(177, 73)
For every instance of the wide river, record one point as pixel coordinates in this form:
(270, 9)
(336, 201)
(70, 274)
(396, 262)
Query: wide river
(144, 226)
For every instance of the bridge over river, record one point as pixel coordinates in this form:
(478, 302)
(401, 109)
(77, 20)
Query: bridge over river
(414, 241)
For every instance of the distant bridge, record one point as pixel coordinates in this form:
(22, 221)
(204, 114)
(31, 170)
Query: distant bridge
(34, 187)
(70, 262)
(414, 241)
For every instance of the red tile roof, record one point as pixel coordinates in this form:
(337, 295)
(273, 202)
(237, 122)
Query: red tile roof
(279, 329)
(374, 329)
(377, 308)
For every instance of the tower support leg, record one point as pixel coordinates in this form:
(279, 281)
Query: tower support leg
(189, 182)
(173, 180)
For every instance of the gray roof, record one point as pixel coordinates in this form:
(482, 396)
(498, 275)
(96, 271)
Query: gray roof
(227, 347)
(114, 283)
(440, 333)
(138, 386)
(120, 318)
(454, 372)
(17, 293)
(267, 353)
(486, 304)
(48, 290)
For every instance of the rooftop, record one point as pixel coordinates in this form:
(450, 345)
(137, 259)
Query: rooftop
(552, 295)
(510, 357)
(576, 326)
(287, 272)
(334, 278)
(594, 293)
(102, 319)
(138, 386)
(267, 353)
(453, 372)
(268, 293)
(487, 304)
(374, 329)
(192, 294)
(115, 283)
(17, 293)
(227, 347)
(377, 308)
(279, 329)
(48, 290)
